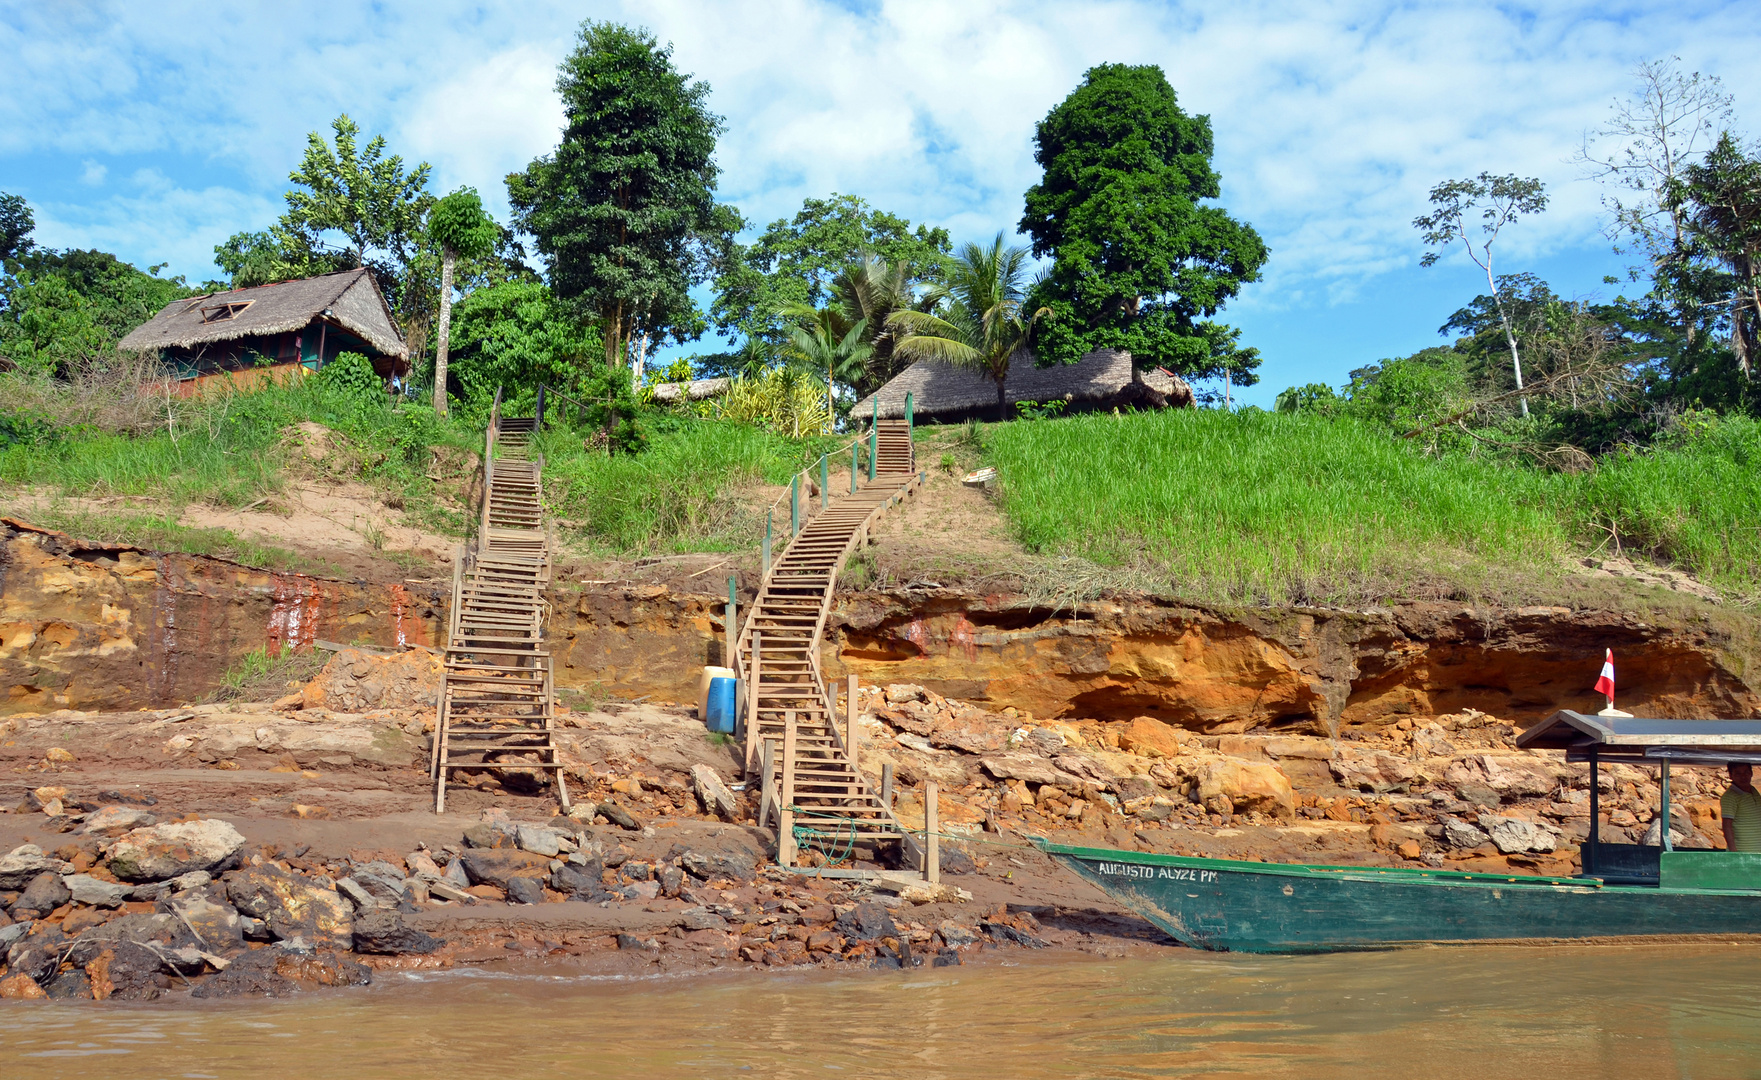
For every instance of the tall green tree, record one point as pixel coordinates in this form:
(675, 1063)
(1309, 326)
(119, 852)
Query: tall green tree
(798, 261)
(16, 225)
(624, 211)
(1139, 263)
(1723, 194)
(983, 323)
(459, 226)
(360, 194)
(1475, 212)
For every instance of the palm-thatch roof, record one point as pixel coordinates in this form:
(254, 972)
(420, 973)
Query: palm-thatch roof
(348, 299)
(941, 391)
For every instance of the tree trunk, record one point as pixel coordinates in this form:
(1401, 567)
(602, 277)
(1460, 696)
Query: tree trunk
(1516, 363)
(446, 262)
(1002, 402)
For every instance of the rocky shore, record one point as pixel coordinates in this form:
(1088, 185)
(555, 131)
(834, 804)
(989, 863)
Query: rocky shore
(264, 848)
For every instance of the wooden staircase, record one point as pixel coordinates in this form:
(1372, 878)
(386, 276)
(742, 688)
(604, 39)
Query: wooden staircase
(813, 791)
(496, 706)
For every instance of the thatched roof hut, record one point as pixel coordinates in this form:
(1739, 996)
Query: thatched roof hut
(1100, 380)
(307, 322)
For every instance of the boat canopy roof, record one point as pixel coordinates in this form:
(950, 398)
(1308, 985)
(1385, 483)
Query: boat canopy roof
(1641, 739)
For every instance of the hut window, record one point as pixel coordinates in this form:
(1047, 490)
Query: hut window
(224, 311)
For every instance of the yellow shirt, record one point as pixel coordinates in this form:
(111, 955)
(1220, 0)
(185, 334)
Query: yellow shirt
(1743, 809)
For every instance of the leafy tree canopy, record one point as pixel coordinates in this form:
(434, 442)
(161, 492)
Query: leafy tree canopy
(1138, 263)
(795, 262)
(16, 226)
(624, 211)
(515, 335)
(61, 310)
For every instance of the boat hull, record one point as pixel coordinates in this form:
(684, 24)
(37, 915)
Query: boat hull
(1225, 905)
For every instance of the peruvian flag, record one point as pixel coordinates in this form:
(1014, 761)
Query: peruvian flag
(1605, 683)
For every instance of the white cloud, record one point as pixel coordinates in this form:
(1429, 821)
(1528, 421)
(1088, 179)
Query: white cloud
(1331, 121)
(164, 222)
(92, 174)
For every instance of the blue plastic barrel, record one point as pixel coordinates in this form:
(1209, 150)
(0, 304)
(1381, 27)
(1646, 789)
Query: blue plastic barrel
(721, 705)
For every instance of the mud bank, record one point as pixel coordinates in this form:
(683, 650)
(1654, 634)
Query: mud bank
(100, 627)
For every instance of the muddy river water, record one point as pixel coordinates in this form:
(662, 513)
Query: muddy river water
(1435, 1013)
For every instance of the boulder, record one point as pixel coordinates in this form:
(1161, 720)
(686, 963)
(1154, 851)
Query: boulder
(1459, 834)
(1247, 785)
(620, 817)
(44, 894)
(384, 933)
(867, 921)
(21, 865)
(113, 819)
(21, 986)
(1430, 740)
(1148, 737)
(539, 840)
(1031, 768)
(956, 935)
(1510, 776)
(492, 834)
(707, 866)
(497, 866)
(525, 890)
(1515, 835)
(293, 906)
(166, 851)
(217, 927)
(699, 918)
(715, 796)
(125, 971)
(86, 889)
(1372, 770)
(582, 883)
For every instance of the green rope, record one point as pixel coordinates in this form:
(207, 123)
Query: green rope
(812, 838)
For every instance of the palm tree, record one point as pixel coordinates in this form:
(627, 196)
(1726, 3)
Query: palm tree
(1724, 191)
(871, 290)
(982, 325)
(824, 339)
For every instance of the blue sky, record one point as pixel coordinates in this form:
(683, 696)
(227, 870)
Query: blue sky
(156, 131)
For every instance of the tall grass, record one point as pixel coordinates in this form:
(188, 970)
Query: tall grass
(1694, 501)
(1272, 507)
(680, 494)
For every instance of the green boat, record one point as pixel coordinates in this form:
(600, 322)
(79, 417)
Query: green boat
(1627, 892)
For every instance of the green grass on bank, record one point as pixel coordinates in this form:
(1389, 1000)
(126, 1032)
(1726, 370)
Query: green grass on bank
(680, 494)
(1255, 506)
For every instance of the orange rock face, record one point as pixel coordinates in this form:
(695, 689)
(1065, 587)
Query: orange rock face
(99, 627)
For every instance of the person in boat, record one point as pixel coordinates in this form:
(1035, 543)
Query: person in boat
(1739, 810)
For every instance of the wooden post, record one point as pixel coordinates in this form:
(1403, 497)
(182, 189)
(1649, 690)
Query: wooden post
(766, 571)
(733, 631)
(850, 729)
(786, 796)
(767, 786)
(887, 784)
(538, 413)
(1663, 829)
(874, 436)
(853, 455)
(795, 504)
(1595, 815)
(825, 491)
(751, 707)
(932, 844)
